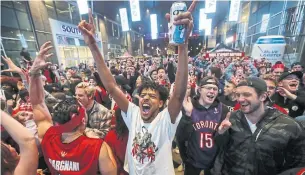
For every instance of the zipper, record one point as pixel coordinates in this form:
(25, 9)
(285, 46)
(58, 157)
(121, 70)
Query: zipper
(258, 134)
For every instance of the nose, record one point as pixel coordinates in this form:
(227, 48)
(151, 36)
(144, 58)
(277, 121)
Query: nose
(240, 99)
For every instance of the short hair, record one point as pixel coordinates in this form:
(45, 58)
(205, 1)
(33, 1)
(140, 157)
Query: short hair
(153, 72)
(64, 110)
(149, 84)
(161, 68)
(216, 71)
(245, 83)
(270, 78)
(8, 162)
(89, 90)
(231, 82)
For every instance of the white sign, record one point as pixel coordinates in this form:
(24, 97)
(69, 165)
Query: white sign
(265, 21)
(154, 26)
(124, 19)
(210, 6)
(82, 6)
(273, 50)
(234, 10)
(135, 10)
(228, 54)
(202, 19)
(208, 27)
(67, 29)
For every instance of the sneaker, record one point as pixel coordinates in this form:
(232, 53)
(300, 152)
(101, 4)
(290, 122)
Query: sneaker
(180, 168)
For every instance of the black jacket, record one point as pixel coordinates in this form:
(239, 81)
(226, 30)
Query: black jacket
(295, 107)
(278, 144)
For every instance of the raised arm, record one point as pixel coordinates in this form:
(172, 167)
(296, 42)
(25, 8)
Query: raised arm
(42, 115)
(28, 162)
(88, 31)
(175, 102)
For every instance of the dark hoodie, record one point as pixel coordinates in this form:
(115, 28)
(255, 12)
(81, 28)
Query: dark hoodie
(198, 131)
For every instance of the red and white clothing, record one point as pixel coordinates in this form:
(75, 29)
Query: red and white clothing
(80, 157)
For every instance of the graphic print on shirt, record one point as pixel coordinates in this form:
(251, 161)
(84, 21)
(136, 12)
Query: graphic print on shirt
(142, 146)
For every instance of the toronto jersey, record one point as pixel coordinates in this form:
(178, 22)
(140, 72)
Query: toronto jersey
(201, 148)
(76, 158)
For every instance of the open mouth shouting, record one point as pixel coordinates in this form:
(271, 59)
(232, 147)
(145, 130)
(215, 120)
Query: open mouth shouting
(146, 108)
(211, 97)
(293, 85)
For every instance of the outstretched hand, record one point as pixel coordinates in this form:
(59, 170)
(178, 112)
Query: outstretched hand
(88, 29)
(186, 19)
(11, 65)
(40, 61)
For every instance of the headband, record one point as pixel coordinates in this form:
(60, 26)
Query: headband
(76, 120)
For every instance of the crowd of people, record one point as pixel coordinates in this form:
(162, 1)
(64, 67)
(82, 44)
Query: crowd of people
(226, 115)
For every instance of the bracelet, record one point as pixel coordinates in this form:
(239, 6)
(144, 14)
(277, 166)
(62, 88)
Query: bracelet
(34, 73)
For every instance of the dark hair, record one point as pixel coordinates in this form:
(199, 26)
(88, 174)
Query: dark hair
(121, 127)
(231, 82)
(153, 71)
(161, 68)
(148, 84)
(98, 80)
(207, 78)
(76, 77)
(8, 162)
(216, 71)
(245, 83)
(64, 110)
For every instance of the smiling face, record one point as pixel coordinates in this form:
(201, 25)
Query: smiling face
(149, 104)
(208, 93)
(277, 72)
(249, 100)
(291, 83)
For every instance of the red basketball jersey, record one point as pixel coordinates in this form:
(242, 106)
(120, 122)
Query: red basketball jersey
(79, 157)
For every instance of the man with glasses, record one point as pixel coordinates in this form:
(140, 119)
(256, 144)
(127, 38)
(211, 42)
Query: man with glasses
(206, 113)
(288, 94)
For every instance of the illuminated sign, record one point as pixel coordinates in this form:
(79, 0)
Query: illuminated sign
(135, 10)
(153, 26)
(208, 27)
(124, 19)
(82, 6)
(210, 6)
(234, 10)
(202, 19)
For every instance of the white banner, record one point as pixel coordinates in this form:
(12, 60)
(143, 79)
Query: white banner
(154, 26)
(202, 19)
(210, 6)
(234, 10)
(124, 19)
(135, 10)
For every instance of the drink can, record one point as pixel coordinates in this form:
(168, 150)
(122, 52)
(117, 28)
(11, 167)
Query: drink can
(176, 32)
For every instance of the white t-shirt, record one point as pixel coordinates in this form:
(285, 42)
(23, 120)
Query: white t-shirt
(149, 144)
(251, 125)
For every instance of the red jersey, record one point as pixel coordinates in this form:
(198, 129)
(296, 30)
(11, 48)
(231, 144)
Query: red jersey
(80, 157)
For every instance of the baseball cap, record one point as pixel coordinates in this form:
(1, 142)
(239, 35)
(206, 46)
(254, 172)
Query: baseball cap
(296, 63)
(122, 81)
(299, 74)
(255, 82)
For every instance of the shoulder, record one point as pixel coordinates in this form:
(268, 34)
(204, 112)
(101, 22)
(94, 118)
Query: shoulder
(111, 135)
(50, 133)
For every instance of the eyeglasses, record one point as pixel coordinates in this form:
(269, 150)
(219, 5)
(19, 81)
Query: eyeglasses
(210, 88)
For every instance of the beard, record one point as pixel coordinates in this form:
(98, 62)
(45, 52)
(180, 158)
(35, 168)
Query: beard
(253, 108)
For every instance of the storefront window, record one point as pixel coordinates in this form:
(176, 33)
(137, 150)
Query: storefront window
(75, 14)
(20, 5)
(50, 8)
(24, 21)
(8, 18)
(63, 11)
(9, 32)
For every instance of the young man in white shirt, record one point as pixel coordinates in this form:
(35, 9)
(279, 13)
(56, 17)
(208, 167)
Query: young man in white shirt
(150, 131)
